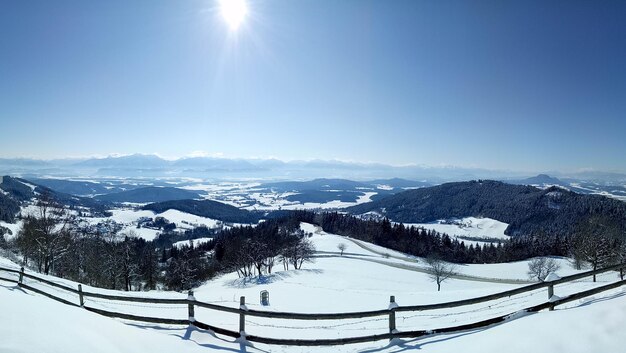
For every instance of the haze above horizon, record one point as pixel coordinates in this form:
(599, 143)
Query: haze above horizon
(535, 85)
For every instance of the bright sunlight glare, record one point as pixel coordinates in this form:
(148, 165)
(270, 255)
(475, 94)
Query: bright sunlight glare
(233, 12)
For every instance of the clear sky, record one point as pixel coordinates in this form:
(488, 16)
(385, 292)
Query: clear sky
(497, 84)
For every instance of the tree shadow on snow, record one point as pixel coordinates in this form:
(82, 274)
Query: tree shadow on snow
(267, 279)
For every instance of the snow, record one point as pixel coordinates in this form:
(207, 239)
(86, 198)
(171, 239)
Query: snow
(333, 283)
(187, 220)
(144, 233)
(25, 325)
(468, 227)
(13, 227)
(33, 323)
(31, 186)
(30, 210)
(195, 241)
(366, 197)
(128, 217)
(552, 277)
(250, 197)
(511, 271)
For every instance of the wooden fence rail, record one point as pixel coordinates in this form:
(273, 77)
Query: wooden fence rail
(243, 311)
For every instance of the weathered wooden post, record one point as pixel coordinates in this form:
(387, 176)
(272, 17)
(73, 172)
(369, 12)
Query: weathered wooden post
(190, 308)
(242, 316)
(551, 278)
(550, 294)
(80, 296)
(392, 314)
(21, 275)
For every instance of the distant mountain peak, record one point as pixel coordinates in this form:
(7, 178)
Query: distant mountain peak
(543, 179)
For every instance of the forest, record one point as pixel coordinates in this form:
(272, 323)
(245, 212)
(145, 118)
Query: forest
(528, 210)
(51, 241)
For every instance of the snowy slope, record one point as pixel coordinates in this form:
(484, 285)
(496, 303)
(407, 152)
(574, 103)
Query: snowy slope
(333, 283)
(591, 326)
(187, 220)
(13, 227)
(194, 241)
(468, 227)
(32, 323)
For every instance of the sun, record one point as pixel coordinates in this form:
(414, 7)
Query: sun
(234, 12)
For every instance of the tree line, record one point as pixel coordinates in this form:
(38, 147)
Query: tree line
(52, 241)
(597, 241)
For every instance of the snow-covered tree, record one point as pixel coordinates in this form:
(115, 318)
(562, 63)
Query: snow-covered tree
(594, 242)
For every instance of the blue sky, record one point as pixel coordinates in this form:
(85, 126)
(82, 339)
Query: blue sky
(509, 85)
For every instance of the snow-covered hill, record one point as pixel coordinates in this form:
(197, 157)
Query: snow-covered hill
(361, 279)
(471, 230)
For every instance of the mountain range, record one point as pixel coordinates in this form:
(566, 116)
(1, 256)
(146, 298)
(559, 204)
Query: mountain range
(227, 168)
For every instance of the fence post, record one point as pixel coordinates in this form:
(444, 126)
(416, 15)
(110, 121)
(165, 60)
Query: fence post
(550, 294)
(190, 308)
(80, 296)
(392, 314)
(21, 275)
(242, 317)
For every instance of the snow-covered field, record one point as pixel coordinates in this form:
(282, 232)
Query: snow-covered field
(187, 220)
(366, 197)
(333, 283)
(468, 227)
(129, 217)
(13, 227)
(250, 196)
(194, 241)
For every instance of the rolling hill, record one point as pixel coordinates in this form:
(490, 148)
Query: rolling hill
(15, 191)
(527, 210)
(73, 187)
(206, 208)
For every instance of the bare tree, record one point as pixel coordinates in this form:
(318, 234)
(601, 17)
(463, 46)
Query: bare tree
(301, 252)
(45, 236)
(439, 270)
(342, 247)
(540, 267)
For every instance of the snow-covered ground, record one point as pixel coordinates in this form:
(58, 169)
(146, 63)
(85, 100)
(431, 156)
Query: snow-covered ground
(273, 201)
(194, 241)
(333, 283)
(468, 227)
(187, 220)
(129, 218)
(13, 227)
(366, 197)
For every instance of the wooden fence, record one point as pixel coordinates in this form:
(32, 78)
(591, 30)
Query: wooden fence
(243, 311)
